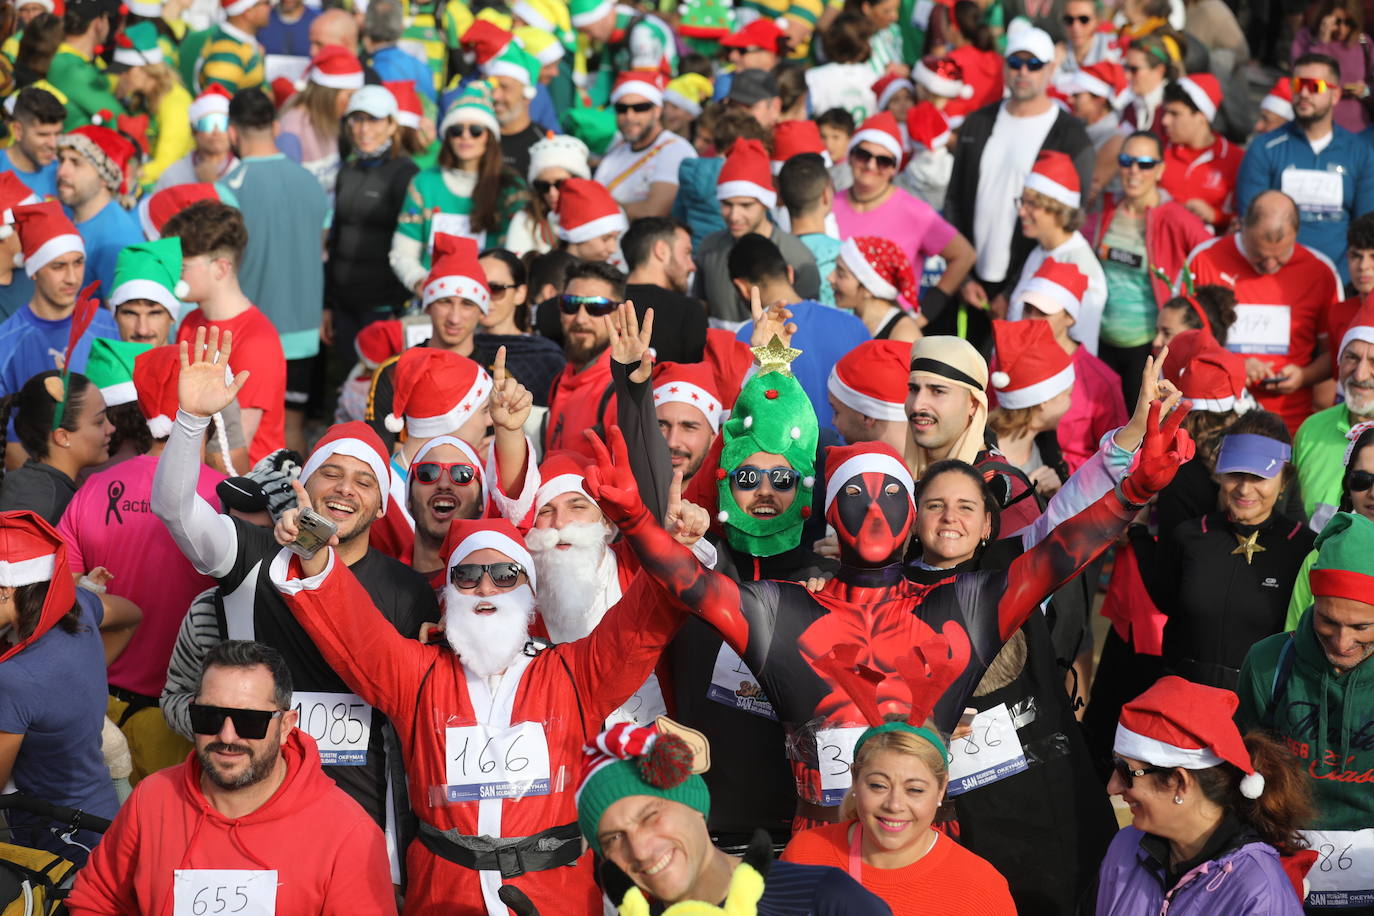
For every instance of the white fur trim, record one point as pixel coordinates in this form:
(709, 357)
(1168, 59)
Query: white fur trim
(554, 487)
(54, 247)
(868, 461)
(213, 103)
(463, 447)
(938, 85)
(239, 7)
(681, 101)
(611, 222)
(865, 404)
(281, 563)
(532, 16)
(146, 289)
(494, 540)
(1205, 105)
(1054, 190)
(1213, 405)
(880, 137)
(1037, 393)
(132, 57)
(552, 54)
(892, 89)
(160, 426)
(1049, 297)
(595, 14)
(119, 393)
(353, 448)
(407, 119)
(469, 114)
(741, 188)
(692, 396)
(456, 416)
(337, 80)
(650, 92)
(863, 271)
(1356, 332)
(146, 10)
(17, 573)
(1157, 753)
(499, 67)
(1278, 106)
(463, 288)
(1086, 82)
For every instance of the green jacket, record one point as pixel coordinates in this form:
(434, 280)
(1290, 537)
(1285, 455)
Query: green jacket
(1325, 719)
(85, 85)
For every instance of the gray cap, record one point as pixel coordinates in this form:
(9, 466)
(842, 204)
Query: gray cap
(376, 101)
(750, 86)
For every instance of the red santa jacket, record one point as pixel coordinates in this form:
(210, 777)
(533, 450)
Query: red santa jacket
(1171, 231)
(1207, 174)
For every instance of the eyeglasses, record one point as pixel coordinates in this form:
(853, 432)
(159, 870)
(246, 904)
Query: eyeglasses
(741, 51)
(475, 131)
(596, 306)
(500, 289)
(1131, 68)
(1310, 85)
(1027, 203)
(542, 187)
(1131, 162)
(1360, 481)
(1128, 775)
(637, 107)
(864, 157)
(248, 723)
(460, 472)
(1033, 64)
(469, 575)
(1341, 22)
(1081, 20)
(208, 124)
(749, 477)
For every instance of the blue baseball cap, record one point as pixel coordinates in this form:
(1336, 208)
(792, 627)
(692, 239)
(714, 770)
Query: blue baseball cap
(1248, 453)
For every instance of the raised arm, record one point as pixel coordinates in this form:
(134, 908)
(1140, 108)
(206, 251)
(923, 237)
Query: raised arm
(631, 369)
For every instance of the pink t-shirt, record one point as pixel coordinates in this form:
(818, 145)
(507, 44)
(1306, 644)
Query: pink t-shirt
(908, 221)
(110, 523)
(1096, 406)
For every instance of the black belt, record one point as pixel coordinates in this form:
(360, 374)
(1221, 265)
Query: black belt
(136, 703)
(511, 856)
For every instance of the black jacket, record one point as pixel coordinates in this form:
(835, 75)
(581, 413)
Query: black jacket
(368, 198)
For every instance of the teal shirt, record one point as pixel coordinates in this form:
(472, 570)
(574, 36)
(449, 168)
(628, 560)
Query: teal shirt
(826, 250)
(1129, 318)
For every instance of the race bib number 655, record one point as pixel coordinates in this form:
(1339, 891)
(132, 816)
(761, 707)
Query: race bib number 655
(223, 892)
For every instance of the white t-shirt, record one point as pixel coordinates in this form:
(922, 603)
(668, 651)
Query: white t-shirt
(666, 154)
(1079, 252)
(847, 86)
(1007, 159)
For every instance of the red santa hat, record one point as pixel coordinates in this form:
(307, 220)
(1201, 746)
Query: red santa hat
(455, 272)
(155, 210)
(436, 391)
(31, 551)
(1177, 723)
(882, 267)
(586, 210)
(13, 193)
(104, 148)
(889, 85)
(45, 233)
(927, 126)
(1031, 367)
(1205, 92)
(747, 173)
(408, 107)
(379, 341)
(1361, 327)
(647, 83)
(468, 454)
(238, 7)
(872, 379)
(155, 379)
(689, 383)
(1214, 379)
(1104, 79)
(1279, 100)
(844, 462)
(561, 472)
(214, 100)
(881, 129)
(792, 138)
(760, 33)
(484, 41)
(467, 536)
(1054, 176)
(356, 440)
(335, 68)
(943, 77)
(1056, 286)
(1182, 348)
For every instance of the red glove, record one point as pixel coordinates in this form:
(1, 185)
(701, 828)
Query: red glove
(611, 482)
(1165, 449)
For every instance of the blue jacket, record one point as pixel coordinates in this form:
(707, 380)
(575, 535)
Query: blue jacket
(1323, 226)
(696, 203)
(394, 65)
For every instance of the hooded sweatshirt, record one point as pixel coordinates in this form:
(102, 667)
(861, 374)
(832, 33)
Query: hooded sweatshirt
(328, 855)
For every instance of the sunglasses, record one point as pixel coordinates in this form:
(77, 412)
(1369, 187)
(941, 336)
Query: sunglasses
(1131, 162)
(542, 187)
(749, 50)
(1081, 20)
(1360, 481)
(596, 306)
(749, 477)
(500, 289)
(469, 575)
(210, 123)
(475, 131)
(637, 107)
(864, 157)
(461, 473)
(248, 723)
(1033, 64)
(1340, 22)
(1128, 775)
(1308, 84)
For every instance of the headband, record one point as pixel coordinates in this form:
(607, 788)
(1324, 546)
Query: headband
(919, 731)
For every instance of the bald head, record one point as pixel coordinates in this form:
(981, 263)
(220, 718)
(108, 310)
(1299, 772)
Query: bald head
(1270, 231)
(334, 27)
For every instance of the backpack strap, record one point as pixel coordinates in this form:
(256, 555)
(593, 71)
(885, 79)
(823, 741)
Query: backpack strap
(1283, 672)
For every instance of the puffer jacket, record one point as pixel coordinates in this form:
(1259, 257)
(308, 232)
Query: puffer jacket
(696, 203)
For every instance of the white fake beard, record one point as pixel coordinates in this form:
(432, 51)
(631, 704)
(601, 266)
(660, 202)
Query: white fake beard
(572, 601)
(488, 643)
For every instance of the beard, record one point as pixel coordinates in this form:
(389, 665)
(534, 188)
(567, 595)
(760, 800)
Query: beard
(258, 769)
(573, 602)
(488, 643)
(1359, 398)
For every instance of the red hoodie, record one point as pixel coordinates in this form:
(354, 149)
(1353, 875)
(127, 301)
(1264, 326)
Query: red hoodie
(328, 855)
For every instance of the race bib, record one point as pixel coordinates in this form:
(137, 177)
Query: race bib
(643, 707)
(1343, 875)
(285, 66)
(486, 762)
(1314, 189)
(459, 224)
(223, 892)
(834, 755)
(1123, 257)
(990, 753)
(734, 685)
(340, 723)
(1260, 329)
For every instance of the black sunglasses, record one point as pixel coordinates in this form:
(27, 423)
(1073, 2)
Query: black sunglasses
(500, 289)
(1033, 64)
(248, 723)
(863, 156)
(749, 477)
(1081, 20)
(469, 575)
(472, 130)
(1128, 775)
(459, 472)
(1360, 481)
(1130, 162)
(596, 306)
(542, 187)
(637, 107)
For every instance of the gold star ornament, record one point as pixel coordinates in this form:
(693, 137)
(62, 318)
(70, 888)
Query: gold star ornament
(1247, 546)
(775, 357)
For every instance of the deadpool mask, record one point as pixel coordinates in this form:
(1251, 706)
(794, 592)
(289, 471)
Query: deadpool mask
(872, 516)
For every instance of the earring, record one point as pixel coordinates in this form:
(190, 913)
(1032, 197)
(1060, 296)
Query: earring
(1178, 799)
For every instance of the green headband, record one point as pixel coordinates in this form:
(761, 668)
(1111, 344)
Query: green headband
(919, 731)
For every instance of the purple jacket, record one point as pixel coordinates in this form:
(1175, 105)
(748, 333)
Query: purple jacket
(1246, 880)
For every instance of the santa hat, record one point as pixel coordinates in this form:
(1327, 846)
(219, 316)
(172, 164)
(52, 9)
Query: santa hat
(13, 193)
(455, 272)
(379, 341)
(484, 41)
(793, 138)
(760, 33)
(689, 383)
(1361, 327)
(1177, 723)
(542, 46)
(747, 173)
(137, 45)
(155, 210)
(1343, 551)
(562, 151)
(469, 455)
(356, 440)
(436, 391)
(45, 233)
(928, 127)
(408, 107)
(1104, 79)
(560, 472)
(1205, 92)
(1214, 379)
(872, 379)
(1056, 286)
(110, 367)
(647, 83)
(103, 148)
(689, 92)
(888, 86)
(155, 378)
(214, 100)
(1031, 367)
(238, 7)
(881, 129)
(845, 462)
(943, 77)
(1054, 176)
(586, 210)
(31, 552)
(882, 267)
(518, 64)
(1279, 100)
(152, 271)
(334, 67)
(467, 536)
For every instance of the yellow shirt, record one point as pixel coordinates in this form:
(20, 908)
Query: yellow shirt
(172, 123)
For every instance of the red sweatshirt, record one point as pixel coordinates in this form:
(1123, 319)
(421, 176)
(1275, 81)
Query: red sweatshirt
(328, 855)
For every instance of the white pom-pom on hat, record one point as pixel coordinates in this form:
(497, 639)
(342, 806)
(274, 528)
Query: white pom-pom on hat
(748, 422)
(808, 482)
(722, 516)
(1252, 785)
(6, 231)
(181, 289)
(394, 423)
(1000, 379)
(796, 432)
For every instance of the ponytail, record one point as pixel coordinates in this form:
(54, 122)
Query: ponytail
(1285, 803)
(34, 409)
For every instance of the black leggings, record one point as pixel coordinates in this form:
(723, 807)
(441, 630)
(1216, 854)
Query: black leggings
(1127, 362)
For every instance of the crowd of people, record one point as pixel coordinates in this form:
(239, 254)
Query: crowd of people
(770, 456)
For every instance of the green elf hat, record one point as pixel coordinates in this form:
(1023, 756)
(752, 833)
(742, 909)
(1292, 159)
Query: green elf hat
(518, 64)
(593, 126)
(773, 415)
(111, 368)
(585, 12)
(473, 106)
(1345, 559)
(152, 271)
(137, 46)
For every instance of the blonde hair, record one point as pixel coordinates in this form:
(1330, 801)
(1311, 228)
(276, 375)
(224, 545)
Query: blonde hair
(903, 742)
(1012, 422)
(1070, 219)
(321, 104)
(163, 78)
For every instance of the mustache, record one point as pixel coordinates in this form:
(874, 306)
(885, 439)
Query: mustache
(231, 748)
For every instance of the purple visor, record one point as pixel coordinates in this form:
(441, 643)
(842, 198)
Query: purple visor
(1247, 453)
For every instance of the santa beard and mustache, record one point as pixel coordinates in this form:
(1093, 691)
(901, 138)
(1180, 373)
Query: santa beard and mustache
(487, 643)
(573, 601)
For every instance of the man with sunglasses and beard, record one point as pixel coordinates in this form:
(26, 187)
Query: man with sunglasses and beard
(641, 170)
(248, 823)
(582, 397)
